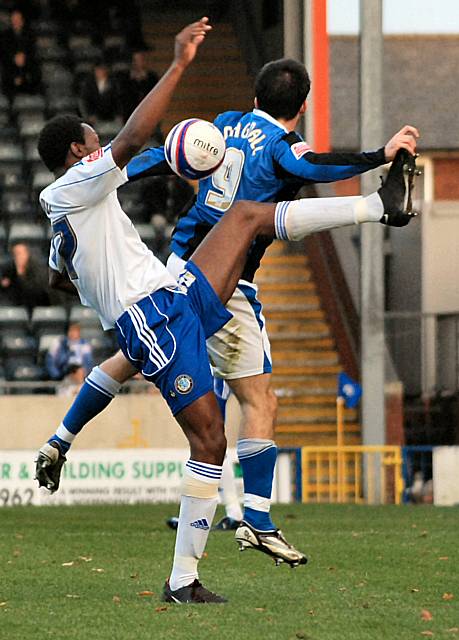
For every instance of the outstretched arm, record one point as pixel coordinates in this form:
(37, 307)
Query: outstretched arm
(150, 162)
(294, 159)
(147, 115)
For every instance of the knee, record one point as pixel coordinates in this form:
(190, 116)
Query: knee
(271, 403)
(263, 402)
(210, 442)
(245, 211)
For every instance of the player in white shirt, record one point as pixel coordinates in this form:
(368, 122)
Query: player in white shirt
(162, 326)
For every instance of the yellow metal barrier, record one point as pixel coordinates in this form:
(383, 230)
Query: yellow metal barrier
(358, 474)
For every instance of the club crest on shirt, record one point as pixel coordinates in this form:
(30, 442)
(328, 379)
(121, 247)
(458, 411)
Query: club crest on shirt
(95, 155)
(183, 383)
(299, 149)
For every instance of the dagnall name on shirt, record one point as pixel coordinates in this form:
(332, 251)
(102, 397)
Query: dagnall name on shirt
(249, 131)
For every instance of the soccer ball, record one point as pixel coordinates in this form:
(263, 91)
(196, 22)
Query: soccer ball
(194, 148)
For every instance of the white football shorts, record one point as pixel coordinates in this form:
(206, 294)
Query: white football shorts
(241, 348)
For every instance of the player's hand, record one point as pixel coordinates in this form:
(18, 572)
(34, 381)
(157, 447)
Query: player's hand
(406, 138)
(188, 41)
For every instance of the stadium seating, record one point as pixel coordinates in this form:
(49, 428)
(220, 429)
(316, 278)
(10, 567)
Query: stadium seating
(19, 350)
(16, 205)
(102, 346)
(48, 320)
(85, 316)
(14, 320)
(25, 373)
(64, 55)
(31, 234)
(3, 237)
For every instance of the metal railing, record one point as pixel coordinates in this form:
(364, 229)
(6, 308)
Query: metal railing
(352, 474)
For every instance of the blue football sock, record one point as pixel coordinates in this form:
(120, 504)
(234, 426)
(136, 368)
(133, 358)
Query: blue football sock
(97, 392)
(258, 459)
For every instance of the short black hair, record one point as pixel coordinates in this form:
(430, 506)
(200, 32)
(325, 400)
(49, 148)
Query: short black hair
(281, 87)
(56, 137)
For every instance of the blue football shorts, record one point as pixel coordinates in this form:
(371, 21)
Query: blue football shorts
(164, 337)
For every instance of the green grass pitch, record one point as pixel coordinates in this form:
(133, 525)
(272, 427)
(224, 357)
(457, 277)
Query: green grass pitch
(96, 572)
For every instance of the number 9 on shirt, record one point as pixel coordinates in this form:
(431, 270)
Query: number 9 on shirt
(194, 148)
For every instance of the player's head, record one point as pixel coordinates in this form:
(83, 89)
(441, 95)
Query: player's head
(64, 140)
(281, 88)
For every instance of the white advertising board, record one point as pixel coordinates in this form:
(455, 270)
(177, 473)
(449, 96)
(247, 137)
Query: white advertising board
(96, 476)
(445, 467)
(124, 476)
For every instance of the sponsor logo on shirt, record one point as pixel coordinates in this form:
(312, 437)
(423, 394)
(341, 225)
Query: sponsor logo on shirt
(299, 149)
(95, 155)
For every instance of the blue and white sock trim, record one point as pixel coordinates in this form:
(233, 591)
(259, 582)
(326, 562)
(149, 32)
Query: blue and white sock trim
(279, 220)
(102, 382)
(64, 434)
(249, 447)
(204, 470)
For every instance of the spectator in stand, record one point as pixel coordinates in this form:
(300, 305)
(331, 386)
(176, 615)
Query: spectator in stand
(99, 96)
(22, 75)
(69, 360)
(17, 37)
(139, 82)
(24, 281)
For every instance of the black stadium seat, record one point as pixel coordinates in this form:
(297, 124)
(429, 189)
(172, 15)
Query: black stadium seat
(49, 320)
(19, 350)
(25, 373)
(85, 316)
(34, 235)
(14, 320)
(102, 347)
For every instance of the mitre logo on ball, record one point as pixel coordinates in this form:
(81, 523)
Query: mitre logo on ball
(194, 148)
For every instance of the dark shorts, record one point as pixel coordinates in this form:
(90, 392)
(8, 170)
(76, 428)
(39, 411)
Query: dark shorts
(164, 337)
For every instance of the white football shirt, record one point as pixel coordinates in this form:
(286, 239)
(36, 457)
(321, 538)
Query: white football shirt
(96, 242)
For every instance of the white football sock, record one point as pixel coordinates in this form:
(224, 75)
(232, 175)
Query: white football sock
(229, 492)
(296, 219)
(197, 510)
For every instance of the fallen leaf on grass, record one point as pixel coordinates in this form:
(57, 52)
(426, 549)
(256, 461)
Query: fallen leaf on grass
(85, 558)
(98, 570)
(205, 554)
(134, 575)
(426, 633)
(116, 599)
(443, 558)
(67, 564)
(423, 534)
(260, 609)
(16, 553)
(159, 609)
(311, 612)
(146, 593)
(447, 596)
(426, 615)
(72, 595)
(454, 630)
(414, 590)
(3, 604)
(342, 589)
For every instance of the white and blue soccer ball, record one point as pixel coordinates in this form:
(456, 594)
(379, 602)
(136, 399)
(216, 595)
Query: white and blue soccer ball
(194, 148)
